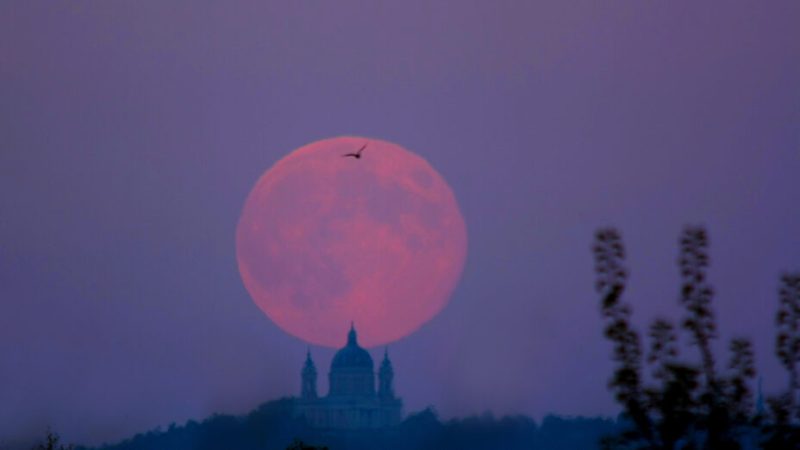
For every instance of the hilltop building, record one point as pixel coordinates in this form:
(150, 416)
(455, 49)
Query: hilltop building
(352, 401)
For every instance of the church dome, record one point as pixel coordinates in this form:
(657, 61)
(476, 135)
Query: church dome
(352, 355)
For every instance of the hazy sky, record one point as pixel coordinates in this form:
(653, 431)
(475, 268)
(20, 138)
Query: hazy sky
(131, 133)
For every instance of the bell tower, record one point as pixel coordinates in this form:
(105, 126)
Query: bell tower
(385, 377)
(309, 389)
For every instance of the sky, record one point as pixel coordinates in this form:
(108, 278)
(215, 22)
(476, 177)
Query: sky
(132, 132)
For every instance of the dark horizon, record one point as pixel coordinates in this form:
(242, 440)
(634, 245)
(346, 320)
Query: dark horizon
(130, 136)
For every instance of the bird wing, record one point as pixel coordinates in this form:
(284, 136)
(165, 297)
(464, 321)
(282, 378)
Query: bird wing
(356, 154)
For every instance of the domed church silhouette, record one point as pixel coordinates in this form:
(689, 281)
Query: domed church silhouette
(352, 402)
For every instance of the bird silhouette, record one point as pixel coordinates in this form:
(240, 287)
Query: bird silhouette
(356, 155)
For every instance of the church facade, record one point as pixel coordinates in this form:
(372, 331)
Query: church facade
(352, 402)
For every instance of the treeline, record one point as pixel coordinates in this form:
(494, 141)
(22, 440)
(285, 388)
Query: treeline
(272, 427)
(673, 401)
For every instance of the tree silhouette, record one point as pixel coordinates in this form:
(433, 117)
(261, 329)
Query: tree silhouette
(688, 405)
(52, 442)
(787, 342)
(673, 403)
(783, 431)
(626, 382)
(742, 365)
(696, 296)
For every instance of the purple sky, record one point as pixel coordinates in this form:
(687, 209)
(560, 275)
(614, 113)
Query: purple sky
(131, 134)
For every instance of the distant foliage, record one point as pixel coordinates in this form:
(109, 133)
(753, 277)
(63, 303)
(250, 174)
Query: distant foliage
(690, 405)
(300, 445)
(271, 427)
(52, 442)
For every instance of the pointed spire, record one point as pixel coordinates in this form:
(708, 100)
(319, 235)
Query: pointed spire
(386, 356)
(386, 365)
(352, 338)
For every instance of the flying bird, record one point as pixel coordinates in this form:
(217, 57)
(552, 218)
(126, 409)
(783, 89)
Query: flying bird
(356, 155)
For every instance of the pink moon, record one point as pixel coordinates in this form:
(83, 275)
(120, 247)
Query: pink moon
(325, 240)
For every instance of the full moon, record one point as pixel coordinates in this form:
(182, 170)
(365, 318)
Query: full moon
(325, 240)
